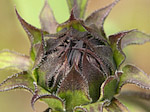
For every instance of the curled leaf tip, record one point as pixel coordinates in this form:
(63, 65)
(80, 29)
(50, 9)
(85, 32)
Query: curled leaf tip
(122, 39)
(16, 81)
(80, 108)
(38, 94)
(133, 75)
(45, 96)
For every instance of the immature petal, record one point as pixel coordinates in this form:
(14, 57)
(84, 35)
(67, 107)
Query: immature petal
(47, 19)
(94, 77)
(134, 75)
(18, 81)
(106, 54)
(98, 17)
(79, 7)
(74, 89)
(13, 60)
(116, 106)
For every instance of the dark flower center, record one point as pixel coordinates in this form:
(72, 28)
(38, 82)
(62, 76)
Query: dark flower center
(91, 55)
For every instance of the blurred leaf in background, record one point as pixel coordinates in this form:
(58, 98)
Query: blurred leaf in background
(125, 16)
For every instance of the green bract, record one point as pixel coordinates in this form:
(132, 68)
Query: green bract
(73, 66)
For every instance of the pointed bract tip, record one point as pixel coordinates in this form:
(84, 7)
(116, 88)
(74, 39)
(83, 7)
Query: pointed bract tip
(15, 6)
(72, 14)
(45, 2)
(18, 15)
(114, 3)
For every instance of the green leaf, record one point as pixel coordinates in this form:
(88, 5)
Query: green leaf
(135, 94)
(116, 106)
(119, 56)
(109, 88)
(21, 80)
(98, 17)
(34, 34)
(79, 7)
(40, 53)
(134, 75)
(74, 90)
(134, 37)
(106, 106)
(139, 99)
(13, 60)
(47, 19)
(93, 107)
(123, 39)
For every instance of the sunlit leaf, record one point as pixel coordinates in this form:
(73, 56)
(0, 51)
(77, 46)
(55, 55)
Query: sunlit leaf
(98, 17)
(134, 75)
(47, 19)
(21, 80)
(116, 106)
(74, 90)
(79, 7)
(40, 53)
(10, 59)
(108, 88)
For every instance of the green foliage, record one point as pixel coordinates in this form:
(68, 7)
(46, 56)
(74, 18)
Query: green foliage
(13, 60)
(134, 75)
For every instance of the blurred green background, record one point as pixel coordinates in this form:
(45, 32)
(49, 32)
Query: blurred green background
(127, 14)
